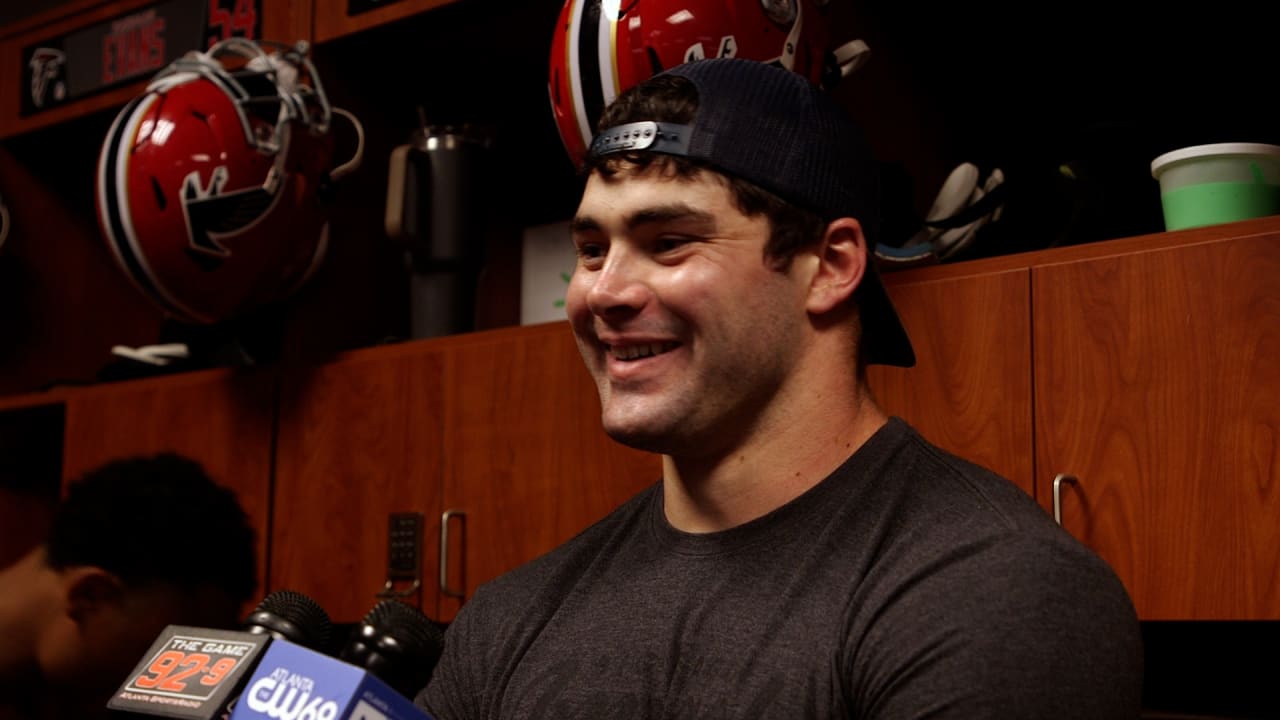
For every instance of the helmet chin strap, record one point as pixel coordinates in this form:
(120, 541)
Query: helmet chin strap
(851, 55)
(299, 88)
(286, 72)
(358, 156)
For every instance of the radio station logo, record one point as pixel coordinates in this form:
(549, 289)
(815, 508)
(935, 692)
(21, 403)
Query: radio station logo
(287, 694)
(188, 668)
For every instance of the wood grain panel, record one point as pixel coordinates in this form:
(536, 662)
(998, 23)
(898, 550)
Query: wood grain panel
(287, 22)
(22, 401)
(970, 391)
(1158, 385)
(526, 457)
(332, 20)
(220, 418)
(359, 438)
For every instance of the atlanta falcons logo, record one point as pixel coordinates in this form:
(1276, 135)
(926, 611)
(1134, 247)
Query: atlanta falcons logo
(213, 214)
(46, 66)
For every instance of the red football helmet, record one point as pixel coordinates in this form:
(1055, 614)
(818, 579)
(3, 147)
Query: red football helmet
(208, 185)
(602, 47)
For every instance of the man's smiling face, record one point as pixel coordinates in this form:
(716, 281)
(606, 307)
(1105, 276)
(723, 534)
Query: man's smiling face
(686, 329)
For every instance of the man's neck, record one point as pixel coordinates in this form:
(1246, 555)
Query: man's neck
(774, 466)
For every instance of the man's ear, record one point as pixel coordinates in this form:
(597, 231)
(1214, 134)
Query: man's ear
(842, 262)
(89, 589)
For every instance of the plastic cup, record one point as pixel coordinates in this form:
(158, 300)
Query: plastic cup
(1219, 183)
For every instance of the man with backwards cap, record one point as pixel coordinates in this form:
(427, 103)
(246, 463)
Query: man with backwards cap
(805, 555)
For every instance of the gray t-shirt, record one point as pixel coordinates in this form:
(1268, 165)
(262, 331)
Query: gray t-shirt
(910, 583)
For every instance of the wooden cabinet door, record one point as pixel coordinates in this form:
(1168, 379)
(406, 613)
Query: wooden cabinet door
(359, 438)
(220, 418)
(1157, 385)
(494, 437)
(526, 458)
(970, 391)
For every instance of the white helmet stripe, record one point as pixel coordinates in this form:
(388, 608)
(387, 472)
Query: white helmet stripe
(607, 39)
(575, 71)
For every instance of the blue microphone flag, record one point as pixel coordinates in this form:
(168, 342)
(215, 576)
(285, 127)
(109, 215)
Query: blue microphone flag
(292, 682)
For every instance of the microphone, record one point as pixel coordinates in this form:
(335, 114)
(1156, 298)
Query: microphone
(198, 673)
(292, 682)
(398, 644)
(292, 616)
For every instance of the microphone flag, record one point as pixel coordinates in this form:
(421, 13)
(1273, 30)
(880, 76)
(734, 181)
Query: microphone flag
(292, 682)
(190, 672)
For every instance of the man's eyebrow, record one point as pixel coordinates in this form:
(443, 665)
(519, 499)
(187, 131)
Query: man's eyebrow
(648, 216)
(583, 224)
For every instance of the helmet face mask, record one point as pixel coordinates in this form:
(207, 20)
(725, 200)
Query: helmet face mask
(603, 47)
(208, 183)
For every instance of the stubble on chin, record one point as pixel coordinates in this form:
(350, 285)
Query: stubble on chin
(624, 419)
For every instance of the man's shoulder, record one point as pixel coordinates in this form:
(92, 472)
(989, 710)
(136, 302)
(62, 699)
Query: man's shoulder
(985, 523)
(927, 468)
(948, 506)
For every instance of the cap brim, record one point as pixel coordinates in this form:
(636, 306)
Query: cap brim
(884, 339)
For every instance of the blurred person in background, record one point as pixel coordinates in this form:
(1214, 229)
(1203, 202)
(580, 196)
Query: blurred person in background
(136, 544)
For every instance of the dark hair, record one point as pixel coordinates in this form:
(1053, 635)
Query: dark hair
(674, 99)
(156, 519)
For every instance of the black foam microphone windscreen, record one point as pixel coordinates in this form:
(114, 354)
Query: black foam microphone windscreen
(292, 616)
(398, 644)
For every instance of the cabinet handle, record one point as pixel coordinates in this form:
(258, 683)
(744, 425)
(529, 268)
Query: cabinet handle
(1057, 493)
(445, 517)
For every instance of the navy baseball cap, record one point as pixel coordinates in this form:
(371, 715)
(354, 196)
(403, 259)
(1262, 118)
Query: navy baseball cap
(774, 128)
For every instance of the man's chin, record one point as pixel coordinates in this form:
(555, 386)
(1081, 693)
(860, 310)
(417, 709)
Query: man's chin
(640, 436)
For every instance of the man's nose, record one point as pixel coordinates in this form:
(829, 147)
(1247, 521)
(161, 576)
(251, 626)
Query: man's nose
(621, 285)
